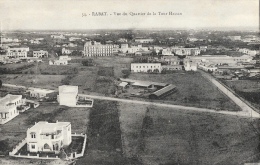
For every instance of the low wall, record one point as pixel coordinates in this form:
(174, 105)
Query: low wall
(75, 155)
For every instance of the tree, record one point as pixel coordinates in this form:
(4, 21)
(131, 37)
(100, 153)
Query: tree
(87, 62)
(126, 73)
(156, 71)
(149, 71)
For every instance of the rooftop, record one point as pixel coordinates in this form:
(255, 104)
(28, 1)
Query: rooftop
(8, 99)
(40, 90)
(68, 89)
(45, 127)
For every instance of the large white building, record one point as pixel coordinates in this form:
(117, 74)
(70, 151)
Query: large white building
(8, 107)
(219, 59)
(146, 67)
(97, 49)
(68, 95)
(48, 137)
(186, 51)
(20, 52)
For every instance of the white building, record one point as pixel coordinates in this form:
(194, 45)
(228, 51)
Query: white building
(208, 67)
(66, 51)
(48, 137)
(68, 95)
(8, 107)
(248, 51)
(186, 51)
(97, 49)
(64, 58)
(58, 62)
(40, 53)
(144, 40)
(39, 93)
(20, 52)
(146, 67)
(58, 36)
(235, 38)
(167, 52)
(219, 59)
(189, 66)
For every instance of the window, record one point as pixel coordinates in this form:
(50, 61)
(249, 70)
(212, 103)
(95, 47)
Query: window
(33, 146)
(33, 135)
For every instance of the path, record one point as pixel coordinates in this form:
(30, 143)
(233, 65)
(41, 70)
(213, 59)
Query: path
(179, 107)
(245, 107)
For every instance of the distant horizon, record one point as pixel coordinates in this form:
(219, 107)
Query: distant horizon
(155, 14)
(149, 29)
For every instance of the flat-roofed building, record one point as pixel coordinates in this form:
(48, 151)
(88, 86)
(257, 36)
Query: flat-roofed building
(68, 95)
(8, 107)
(39, 92)
(146, 67)
(186, 51)
(97, 49)
(40, 53)
(144, 40)
(48, 137)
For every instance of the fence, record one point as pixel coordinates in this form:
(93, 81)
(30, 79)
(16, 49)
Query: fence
(17, 148)
(37, 156)
(76, 155)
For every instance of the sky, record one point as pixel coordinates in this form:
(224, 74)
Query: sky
(67, 14)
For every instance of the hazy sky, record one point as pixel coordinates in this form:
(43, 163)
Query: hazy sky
(65, 14)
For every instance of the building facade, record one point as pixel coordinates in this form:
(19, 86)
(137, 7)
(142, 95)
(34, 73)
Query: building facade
(8, 107)
(146, 67)
(48, 137)
(97, 49)
(40, 53)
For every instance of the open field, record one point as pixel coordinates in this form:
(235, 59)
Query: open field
(118, 63)
(247, 89)
(164, 136)
(245, 85)
(192, 90)
(104, 136)
(41, 81)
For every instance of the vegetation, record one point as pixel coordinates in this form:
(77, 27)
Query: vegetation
(88, 62)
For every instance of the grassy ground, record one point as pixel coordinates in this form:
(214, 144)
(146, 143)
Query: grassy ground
(245, 85)
(182, 137)
(41, 81)
(104, 136)
(192, 90)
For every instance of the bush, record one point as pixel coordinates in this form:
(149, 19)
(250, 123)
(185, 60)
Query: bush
(87, 62)
(126, 73)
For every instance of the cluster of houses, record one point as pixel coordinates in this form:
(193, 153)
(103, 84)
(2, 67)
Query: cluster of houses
(44, 137)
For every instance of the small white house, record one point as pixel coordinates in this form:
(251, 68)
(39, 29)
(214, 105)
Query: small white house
(48, 137)
(39, 93)
(40, 53)
(58, 62)
(8, 107)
